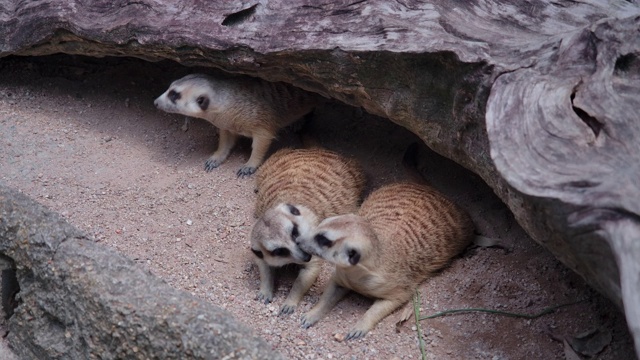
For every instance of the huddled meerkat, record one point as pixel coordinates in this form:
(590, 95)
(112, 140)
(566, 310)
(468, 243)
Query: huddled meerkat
(295, 190)
(402, 234)
(239, 106)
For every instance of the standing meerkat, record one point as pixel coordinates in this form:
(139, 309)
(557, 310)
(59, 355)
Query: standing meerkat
(401, 235)
(239, 106)
(295, 190)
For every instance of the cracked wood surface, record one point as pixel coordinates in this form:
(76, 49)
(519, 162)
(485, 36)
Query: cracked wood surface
(539, 98)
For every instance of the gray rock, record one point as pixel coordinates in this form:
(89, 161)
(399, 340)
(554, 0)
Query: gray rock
(80, 300)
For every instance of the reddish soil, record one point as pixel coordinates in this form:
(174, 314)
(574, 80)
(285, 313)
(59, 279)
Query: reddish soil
(82, 136)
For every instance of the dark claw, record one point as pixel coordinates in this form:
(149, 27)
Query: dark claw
(354, 334)
(287, 310)
(246, 171)
(210, 165)
(263, 298)
(305, 324)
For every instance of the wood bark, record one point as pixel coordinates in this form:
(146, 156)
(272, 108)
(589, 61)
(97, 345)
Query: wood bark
(539, 98)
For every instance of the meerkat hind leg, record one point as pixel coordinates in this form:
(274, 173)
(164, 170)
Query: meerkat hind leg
(301, 285)
(266, 282)
(226, 142)
(259, 147)
(330, 297)
(378, 311)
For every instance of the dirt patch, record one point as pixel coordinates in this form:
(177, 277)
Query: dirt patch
(82, 136)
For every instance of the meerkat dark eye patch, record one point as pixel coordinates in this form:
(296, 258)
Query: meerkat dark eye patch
(258, 253)
(294, 232)
(203, 102)
(293, 210)
(281, 252)
(354, 256)
(173, 96)
(323, 241)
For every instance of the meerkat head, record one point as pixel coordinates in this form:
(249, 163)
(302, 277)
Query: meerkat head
(273, 237)
(193, 95)
(344, 240)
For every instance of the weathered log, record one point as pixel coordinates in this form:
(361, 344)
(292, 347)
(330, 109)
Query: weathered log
(536, 97)
(80, 300)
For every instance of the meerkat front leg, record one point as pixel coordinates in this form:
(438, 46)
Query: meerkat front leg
(259, 147)
(330, 297)
(380, 309)
(226, 142)
(306, 277)
(266, 281)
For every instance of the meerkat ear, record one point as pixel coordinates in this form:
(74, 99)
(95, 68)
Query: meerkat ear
(354, 256)
(293, 210)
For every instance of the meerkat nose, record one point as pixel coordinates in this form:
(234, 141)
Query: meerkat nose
(307, 257)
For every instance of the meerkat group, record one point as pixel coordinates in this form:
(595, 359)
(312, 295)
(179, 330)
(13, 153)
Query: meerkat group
(295, 190)
(307, 205)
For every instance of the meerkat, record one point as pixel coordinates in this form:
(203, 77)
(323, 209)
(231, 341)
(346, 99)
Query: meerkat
(401, 235)
(239, 106)
(295, 190)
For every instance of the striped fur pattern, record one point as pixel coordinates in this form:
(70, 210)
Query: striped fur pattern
(326, 182)
(295, 190)
(239, 106)
(402, 234)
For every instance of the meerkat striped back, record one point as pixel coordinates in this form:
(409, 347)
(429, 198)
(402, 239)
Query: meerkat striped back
(326, 182)
(418, 228)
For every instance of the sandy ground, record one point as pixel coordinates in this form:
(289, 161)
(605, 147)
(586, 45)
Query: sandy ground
(82, 136)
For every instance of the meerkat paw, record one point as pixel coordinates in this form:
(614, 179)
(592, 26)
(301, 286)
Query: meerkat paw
(287, 309)
(211, 164)
(309, 319)
(264, 297)
(246, 171)
(355, 334)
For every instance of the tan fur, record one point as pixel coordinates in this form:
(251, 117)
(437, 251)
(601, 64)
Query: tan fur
(297, 189)
(239, 106)
(401, 235)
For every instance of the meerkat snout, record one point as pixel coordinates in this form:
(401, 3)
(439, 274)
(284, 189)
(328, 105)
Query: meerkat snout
(306, 256)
